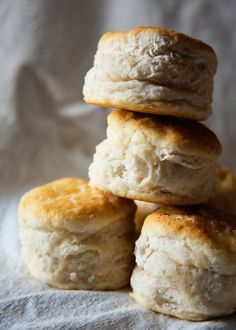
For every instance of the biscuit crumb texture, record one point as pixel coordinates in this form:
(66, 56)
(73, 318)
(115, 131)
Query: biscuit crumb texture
(99, 261)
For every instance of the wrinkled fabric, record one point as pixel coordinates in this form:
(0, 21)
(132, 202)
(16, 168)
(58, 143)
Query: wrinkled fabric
(46, 132)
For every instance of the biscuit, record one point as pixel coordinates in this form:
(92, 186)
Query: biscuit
(224, 192)
(155, 159)
(76, 237)
(153, 70)
(186, 263)
(143, 210)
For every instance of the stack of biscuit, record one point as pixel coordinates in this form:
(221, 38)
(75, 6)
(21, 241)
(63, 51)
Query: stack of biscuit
(155, 152)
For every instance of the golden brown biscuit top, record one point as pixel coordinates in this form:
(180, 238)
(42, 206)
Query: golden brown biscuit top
(178, 37)
(70, 201)
(184, 135)
(199, 224)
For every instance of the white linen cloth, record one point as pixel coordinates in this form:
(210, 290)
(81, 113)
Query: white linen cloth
(46, 132)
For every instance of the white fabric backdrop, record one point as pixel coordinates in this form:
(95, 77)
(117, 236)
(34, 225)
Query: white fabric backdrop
(46, 132)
